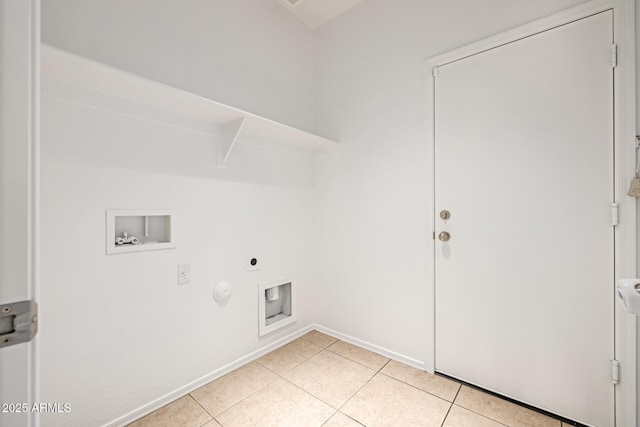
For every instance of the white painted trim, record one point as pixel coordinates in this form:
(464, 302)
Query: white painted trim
(541, 25)
(230, 134)
(372, 347)
(624, 124)
(193, 385)
(626, 232)
(34, 200)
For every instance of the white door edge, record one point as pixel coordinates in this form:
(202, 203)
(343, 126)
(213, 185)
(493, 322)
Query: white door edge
(27, 17)
(34, 199)
(624, 143)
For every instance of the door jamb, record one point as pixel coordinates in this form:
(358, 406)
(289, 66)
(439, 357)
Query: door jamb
(624, 144)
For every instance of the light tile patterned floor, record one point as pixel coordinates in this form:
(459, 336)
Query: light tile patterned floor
(317, 380)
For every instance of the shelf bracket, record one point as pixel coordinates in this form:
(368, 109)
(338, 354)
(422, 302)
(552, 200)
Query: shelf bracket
(230, 132)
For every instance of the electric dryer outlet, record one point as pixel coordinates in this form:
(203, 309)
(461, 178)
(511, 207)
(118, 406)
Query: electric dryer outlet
(253, 261)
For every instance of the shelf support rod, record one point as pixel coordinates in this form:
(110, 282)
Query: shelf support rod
(230, 132)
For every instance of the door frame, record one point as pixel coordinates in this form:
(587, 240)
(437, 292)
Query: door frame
(26, 15)
(624, 168)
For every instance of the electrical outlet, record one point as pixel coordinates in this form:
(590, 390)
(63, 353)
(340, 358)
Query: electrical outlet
(184, 274)
(253, 261)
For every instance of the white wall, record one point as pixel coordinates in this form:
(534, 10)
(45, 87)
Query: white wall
(372, 208)
(117, 331)
(251, 54)
(362, 232)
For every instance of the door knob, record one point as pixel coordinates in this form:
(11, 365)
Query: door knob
(444, 236)
(445, 215)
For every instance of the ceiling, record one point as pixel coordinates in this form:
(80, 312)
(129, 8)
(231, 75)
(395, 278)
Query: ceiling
(315, 13)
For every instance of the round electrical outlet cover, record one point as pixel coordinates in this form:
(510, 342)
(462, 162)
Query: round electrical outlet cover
(222, 292)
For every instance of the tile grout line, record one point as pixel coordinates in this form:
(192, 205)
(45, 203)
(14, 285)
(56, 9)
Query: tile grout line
(300, 388)
(191, 396)
(392, 377)
(484, 416)
(363, 385)
(327, 420)
(280, 376)
(327, 403)
(313, 396)
(339, 409)
(244, 398)
(325, 348)
(203, 408)
(491, 418)
(351, 418)
(444, 420)
(473, 412)
(411, 385)
(379, 371)
(310, 342)
(289, 370)
(418, 388)
(355, 361)
(451, 406)
(322, 349)
(457, 393)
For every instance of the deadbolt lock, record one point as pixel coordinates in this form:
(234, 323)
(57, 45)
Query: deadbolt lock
(444, 236)
(445, 215)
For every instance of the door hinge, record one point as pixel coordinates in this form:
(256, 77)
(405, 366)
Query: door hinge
(614, 55)
(615, 371)
(615, 214)
(18, 322)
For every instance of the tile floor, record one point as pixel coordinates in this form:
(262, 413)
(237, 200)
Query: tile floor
(317, 380)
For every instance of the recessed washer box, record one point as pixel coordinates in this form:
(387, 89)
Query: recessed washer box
(146, 230)
(276, 305)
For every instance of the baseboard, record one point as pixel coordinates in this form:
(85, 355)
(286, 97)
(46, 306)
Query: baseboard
(188, 388)
(372, 347)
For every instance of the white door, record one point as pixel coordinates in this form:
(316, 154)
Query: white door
(19, 98)
(524, 165)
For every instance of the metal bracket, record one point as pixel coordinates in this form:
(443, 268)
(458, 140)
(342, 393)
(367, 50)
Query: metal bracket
(637, 155)
(615, 214)
(615, 372)
(18, 322)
